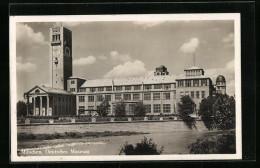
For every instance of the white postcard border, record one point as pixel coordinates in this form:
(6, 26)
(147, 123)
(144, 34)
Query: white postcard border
(139, 17)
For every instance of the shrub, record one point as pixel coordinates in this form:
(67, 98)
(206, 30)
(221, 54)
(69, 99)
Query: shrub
(145, 147)
(224, 144)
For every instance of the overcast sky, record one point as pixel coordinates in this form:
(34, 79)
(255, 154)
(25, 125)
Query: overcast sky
(124, 49)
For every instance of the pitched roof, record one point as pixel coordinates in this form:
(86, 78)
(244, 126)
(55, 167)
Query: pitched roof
(130, 81)
(51, 90)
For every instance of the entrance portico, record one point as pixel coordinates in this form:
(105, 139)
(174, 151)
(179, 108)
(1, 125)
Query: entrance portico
(51, 101)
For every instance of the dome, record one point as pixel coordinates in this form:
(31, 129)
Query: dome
(220, 78)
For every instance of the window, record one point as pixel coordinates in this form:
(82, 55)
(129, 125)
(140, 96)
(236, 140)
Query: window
(99, 98)
(72, 89)
(192, 94)
(188, 83)
(127, 87)
(147, 87)
(91, 98)
(174, 94)
(109, 88)
(108, 97)
(147, 96)
(90, 107)
(118, 88)
(118, 96)
(187, 93)
(181, 94)
(197, 94)
(131, 108)
(180, 83)
(156, 96)
(81, 98)
(166, 108)
(127, 96)
(196, 82)
(202, 94)
(147, 108)
(166, 96)
(82, 89)
(136, 96)
(157, 86)
(71, 82)
(92, 89)
(137, 87)
(167, 87)
(174, 85)
(156, 108)
(81, 109)
(100, 89)
(204, 82)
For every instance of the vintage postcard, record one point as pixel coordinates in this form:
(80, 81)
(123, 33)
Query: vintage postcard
(125, 87)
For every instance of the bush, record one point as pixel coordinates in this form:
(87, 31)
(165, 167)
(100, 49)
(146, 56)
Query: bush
(224, 144)
(145, 147)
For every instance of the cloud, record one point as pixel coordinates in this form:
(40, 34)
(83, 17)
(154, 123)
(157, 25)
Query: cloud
(128, 69)
(147, 24)
(191, 46)
(228, 71)
(25, 67)
(102, 57)
(25, 35)
(229, 40)
(85, 60)
(69, 24)
(119, 57)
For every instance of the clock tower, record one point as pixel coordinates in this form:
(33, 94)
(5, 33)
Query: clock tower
(60, 57)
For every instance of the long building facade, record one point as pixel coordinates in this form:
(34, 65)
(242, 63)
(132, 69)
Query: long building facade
(69, 95)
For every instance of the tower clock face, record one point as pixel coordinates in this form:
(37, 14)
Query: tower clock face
(67, 51)
(56, 50)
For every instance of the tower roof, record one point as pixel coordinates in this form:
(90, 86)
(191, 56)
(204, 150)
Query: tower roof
(220, 78)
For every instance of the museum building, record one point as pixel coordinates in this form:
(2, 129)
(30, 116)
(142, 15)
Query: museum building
(69, 95)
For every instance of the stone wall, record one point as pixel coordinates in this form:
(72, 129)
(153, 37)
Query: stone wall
(148, 127)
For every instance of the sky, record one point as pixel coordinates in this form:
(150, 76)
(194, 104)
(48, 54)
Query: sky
(113, 49)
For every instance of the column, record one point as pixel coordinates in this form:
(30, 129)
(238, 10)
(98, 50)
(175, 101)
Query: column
(34, 101)
(52, 112)
(40, 106)
(47, 108)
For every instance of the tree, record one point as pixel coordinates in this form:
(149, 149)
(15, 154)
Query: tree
(120, 109)
(218, 112)
(145, 147)
(206, 112)
(103, 108)
(139, 109)
(21, 108)
(185, 109)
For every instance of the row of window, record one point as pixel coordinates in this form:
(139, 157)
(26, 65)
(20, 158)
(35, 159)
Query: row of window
(156, 108)
(191, 94)
(128, 96)
(135, 87)
(188, 83)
